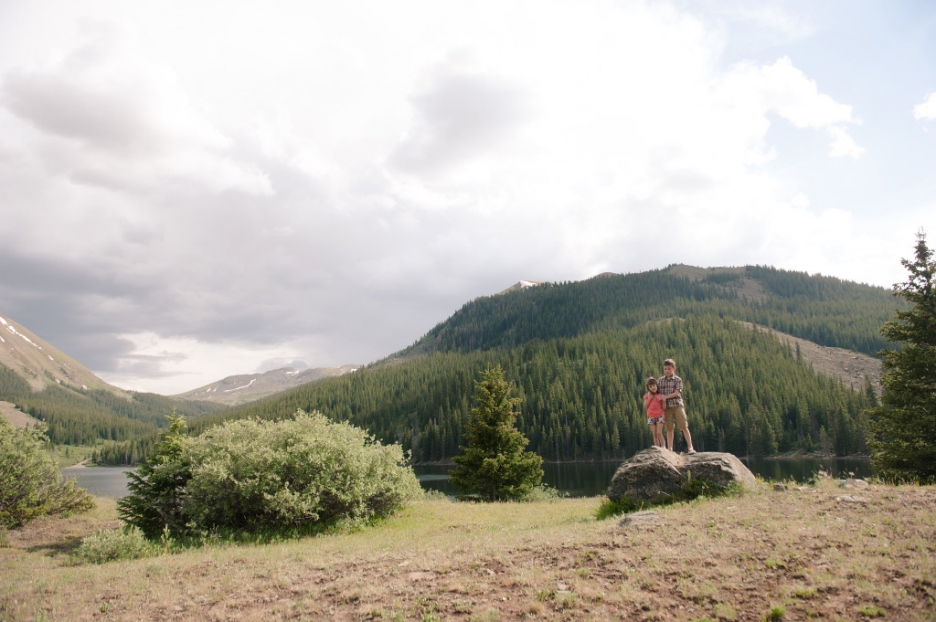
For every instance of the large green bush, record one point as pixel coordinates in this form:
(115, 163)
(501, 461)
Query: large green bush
(31, 484)
(260, 476)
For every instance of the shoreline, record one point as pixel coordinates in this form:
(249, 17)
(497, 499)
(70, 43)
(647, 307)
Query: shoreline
(817, 457)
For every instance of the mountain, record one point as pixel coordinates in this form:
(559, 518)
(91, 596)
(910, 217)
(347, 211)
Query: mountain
(41, 382)
(41, 365)
(249, 387)
(578, 354)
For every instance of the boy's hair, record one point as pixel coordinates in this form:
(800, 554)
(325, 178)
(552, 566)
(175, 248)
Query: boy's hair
(651, 380)
(669, 362)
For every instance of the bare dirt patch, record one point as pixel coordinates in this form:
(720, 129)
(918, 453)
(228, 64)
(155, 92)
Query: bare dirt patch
(802, 550)
(751, 289)
(849, 366)
(15, 416)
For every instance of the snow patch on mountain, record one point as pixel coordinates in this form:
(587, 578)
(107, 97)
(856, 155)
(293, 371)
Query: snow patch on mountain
(16, 332)
(243, 387)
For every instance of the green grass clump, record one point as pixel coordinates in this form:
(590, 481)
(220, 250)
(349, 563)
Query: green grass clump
(113, 544)
(626, 505)
(871, 611)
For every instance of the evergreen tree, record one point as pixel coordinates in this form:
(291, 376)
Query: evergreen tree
(157, 486)
(494, 465)
(904, 443)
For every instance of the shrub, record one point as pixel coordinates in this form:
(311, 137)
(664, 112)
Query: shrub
(544, 492)
(111, 544)
(276, 476)
(31, 484)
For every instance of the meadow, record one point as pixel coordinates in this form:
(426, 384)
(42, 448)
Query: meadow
(807, 552)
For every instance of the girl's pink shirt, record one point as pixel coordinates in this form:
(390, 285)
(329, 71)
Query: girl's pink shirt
(655, 406)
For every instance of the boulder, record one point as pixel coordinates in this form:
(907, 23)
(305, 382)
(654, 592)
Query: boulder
(656, 475)
(647, 517)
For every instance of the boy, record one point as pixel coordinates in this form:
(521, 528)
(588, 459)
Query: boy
(671, 388)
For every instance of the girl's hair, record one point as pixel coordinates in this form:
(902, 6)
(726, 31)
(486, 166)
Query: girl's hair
(651, 380)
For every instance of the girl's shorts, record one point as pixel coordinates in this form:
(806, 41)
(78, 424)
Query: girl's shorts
(654, 420)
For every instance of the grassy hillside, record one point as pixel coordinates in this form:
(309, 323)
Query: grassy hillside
(578, 354)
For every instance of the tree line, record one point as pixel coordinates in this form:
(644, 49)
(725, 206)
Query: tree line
(88, 416)
(746, 393)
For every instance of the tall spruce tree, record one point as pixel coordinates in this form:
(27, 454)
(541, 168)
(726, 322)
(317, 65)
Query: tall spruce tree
(494, 465)
(158, 485)
(904, 443)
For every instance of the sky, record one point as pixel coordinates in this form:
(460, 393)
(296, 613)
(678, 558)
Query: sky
(194, 189)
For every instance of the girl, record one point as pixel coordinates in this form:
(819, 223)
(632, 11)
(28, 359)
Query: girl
(653, 402)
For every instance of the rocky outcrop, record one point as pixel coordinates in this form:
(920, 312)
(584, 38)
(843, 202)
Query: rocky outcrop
(657, 475)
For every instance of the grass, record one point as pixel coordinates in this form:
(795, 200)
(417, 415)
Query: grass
(765, 555)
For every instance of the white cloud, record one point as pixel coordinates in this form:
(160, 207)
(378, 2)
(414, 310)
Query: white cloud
(166, 363)
(110, 117)
(926, 109)
(843, 145)
(421, 153)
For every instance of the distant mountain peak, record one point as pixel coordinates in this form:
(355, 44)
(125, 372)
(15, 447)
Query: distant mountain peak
(520, 285)
(243, 388)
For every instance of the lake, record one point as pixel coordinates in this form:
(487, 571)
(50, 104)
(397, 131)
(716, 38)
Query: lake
(576, 479)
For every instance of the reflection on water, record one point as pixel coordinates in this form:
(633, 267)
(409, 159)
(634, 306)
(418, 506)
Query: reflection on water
(580, 479)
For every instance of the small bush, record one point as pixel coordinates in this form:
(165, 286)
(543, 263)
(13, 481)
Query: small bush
(544, 492)
(31, 484)
(609, 508)
(112, 544)
(289, 477)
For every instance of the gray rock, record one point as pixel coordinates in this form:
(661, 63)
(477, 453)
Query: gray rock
(851, 499)
(779, 487)
(657, 474)
(856, 483)
(647, 517)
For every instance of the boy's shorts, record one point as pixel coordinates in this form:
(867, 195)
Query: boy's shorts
(654, 420)
(675, 414)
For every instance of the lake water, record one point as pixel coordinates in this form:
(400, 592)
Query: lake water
(579, 479)
(100, 481)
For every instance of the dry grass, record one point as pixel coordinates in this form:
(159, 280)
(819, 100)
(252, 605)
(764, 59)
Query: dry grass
(802, 552)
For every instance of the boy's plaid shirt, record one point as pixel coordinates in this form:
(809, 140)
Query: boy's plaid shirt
(669, 385)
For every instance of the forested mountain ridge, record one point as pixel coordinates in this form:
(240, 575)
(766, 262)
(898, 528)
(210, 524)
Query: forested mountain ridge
(824, 310)
(578, 353)
(78, 407)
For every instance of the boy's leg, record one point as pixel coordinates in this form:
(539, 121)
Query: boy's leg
(669, 415)
(683, 422)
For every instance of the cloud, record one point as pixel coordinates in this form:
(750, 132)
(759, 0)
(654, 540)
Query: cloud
(782, 89)
(843, 145)
(926, 109)
(215, 196)
(117, 120)
(460, 116)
